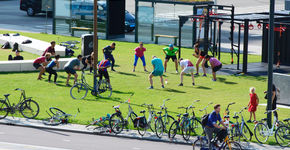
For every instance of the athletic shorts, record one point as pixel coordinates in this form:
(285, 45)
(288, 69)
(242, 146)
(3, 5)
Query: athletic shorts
(69, 70)
(104, 74)
(217, 68)
(157, 73)
(36, 65)
(171, 57)
(188, 70)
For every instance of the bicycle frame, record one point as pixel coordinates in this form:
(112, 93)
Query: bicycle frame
(163, 107)
(21, 100)
(204, 109)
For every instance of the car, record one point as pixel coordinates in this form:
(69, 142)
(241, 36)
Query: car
(33, 7)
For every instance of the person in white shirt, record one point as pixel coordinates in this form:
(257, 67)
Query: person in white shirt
(186, 67)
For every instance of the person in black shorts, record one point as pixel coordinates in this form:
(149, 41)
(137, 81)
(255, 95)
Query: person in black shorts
(200, 55)
(102, 69)
(170, 53)
(108, 54)
(274, 99)
(50, 70)
(88, 60)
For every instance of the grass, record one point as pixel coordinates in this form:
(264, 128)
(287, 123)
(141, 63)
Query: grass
(227, 89)
(5, 52)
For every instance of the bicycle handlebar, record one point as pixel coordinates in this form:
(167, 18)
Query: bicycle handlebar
(18, 89)
(206, 106)
(196, 101)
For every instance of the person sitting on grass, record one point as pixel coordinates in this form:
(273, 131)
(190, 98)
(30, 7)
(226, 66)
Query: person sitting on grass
(158, 71)
(88, 60)
(216, 65)
(50, 70)
(200, 55)
(40, 64)
(50, 49)
(186, 67)
(71, 67)
(170, 53)
(253, 104)
(139, 53)
(17, 57)
(102, 69)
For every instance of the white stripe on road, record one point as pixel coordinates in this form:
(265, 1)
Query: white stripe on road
(15, 146)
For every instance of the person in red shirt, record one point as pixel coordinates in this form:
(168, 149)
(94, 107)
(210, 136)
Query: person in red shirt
(139, 53)
(40, 64)
(50, 49)
(253, 104)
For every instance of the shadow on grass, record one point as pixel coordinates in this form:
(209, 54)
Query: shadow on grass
(121, 92)
(125, 73)
(171, 90)
(203, 87)
(226, 82)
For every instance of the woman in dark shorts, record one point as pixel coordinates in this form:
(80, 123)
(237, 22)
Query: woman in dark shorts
(216, 65)
(88, 60)
(200, 55)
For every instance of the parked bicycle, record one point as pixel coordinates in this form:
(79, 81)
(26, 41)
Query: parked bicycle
(144, 124)
(101, 124)
(226, 117)
(241, 129)
(81, 88)
(117, 122)
(282, 134)
(57, 117)
(26, 106)
(262, 131)
(163, 122)
(205, 108)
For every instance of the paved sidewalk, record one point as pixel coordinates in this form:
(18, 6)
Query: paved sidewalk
(125, 134)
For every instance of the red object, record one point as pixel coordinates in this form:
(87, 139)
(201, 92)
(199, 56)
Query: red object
(129, 100)
(233, 125)
(101, 119)
(251, 26)
(40, 60)
(242, 26)
(253, 103)
(155, 117)
(140, 52)
(234, 27)
(259, 26)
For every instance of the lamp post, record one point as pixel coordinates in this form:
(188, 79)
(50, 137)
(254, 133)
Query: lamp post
(95, 41)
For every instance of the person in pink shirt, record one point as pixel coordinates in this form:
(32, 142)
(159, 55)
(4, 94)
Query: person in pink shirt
(40, 64)
(139, 53)
(186, 67)
(216, 65)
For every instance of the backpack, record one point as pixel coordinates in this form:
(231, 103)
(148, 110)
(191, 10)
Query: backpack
(204, 119)
(6, 45)
(141, 120)
(69, 52)
(10, 57)
(27, 42)
(15, 47)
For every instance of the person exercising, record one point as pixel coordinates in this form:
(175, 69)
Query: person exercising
(170, 53)
(71, 67)
(216, 65)
(88, 60)
(158, 71)
(186, 67)
(40, 64)
(108, 54)
(50, 70)
(200, 55)
(102, 69)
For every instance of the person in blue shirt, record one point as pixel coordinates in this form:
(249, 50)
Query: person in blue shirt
(158, 71)
(212, 124)
(50, 70)
(102, 69)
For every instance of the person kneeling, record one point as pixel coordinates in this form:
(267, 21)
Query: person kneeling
(103, 69)
(186, 67)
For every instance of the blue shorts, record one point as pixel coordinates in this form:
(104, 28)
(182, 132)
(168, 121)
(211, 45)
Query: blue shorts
(157, 73)
(69, 70)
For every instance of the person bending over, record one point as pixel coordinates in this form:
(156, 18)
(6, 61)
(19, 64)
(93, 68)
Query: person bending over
(50, 70)
(139, 53)
(170, 53)
(102, 69)
(88, 60)
(200, 55)
(216, 65)
(108, 54)
(40, 64)
(71, 67)
(186, 67)
(158, 71)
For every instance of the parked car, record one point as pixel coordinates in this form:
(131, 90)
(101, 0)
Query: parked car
(33, 7)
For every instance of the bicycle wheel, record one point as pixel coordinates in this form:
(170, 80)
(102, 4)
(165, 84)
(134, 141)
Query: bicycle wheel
(53, 121)
(56, 111)
(78, 91)
(4, 109)
(196, 127)
(261, 132)
(29, 109)
(186, 130)
(173, 129)
(104, 89)
(200, 143)
(159, 127)
(167, 121)
(232, 146)
(282, 136)
(116, 123)
(246, 132)
(141, 130)
(152, 124)
(235, 133)
(133, 116)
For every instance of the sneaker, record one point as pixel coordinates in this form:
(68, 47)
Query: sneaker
(193, 84)
(181, 84)
(151, 87)
(133, 70)
(162, 86)
(196, 74)
(55, 83)
(113, 69)
(68, 85)
(255, 122)
(176, 71)
(249, 121)
(214, 80)
(49, 81)
(145, 70)
(204, 75)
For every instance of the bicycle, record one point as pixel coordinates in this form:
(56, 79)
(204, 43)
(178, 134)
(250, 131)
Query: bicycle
(282, 134)
(80, 89)
(241, 129)
(226, 117)
(26, 106)
(101, 124)
(57, 117)
(117, 121)
(70, 44)
(262, 131)
(162, 123)
(205, 108)
(142, 123)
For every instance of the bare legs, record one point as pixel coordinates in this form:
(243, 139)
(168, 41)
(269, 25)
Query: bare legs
(181, 78)
(68, 77)
(203, 65)
(176, 64)
(151, 81)
(165, 64)
(214, 75)
(42, 70)
(253, 114)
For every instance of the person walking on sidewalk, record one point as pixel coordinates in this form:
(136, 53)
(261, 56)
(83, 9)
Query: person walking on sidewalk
(170, 53)
(108, 54)
(139, 53)
(158, 71)
(186, 67)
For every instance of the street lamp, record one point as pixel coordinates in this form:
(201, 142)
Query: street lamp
(95, 41)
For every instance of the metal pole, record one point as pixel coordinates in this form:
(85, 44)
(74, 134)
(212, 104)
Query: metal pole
(53, 20)
(270, 59)
(136, 20)
(219, 40)
(239, 47)
(95, 42)
(206, 30)
(246, 40)
(179, 37)
(194, 26)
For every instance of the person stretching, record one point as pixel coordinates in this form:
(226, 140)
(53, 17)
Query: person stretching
(139, 53)
(186, 67)
(88, 60)
(200, 55)
(102, 69)
(108, 54)
(71, 67)
(39, 64)
(50, 70)
(216, 65)
(170, 53)
(158, 71)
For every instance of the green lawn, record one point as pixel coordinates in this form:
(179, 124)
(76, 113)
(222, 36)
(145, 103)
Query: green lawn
(227, 89)
(5, 52)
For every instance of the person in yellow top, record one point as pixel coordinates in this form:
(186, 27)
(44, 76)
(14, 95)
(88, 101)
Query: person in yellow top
(170, 53)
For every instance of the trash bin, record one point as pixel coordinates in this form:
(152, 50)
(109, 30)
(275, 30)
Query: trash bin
(87, 44)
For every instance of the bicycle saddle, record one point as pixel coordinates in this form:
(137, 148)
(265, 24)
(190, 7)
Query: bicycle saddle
(288, 119)
(264, 119)
(159, 112)
(6, 95)
(226, 116)
(143, 111)
(185, 114)
(115, 107)
(236, 117)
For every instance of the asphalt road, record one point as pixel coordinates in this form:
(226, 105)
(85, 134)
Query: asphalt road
(22, 138)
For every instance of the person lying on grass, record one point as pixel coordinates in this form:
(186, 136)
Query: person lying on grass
(71, 67)
(186, 67)
(158, 71)
(103, 69)
(216, 65)
(40, 64)
(139, 53)
(50, 70)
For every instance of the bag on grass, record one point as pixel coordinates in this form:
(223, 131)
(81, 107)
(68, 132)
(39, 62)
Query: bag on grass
(10, 57)
(15, 47)
(204, 120)
(69, 52)
(6, 45)
(26, 42)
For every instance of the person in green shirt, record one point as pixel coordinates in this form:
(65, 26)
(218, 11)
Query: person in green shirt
(158, 71)
(170, 53)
